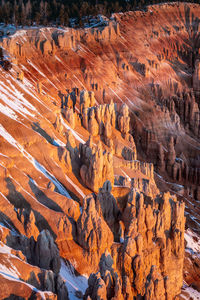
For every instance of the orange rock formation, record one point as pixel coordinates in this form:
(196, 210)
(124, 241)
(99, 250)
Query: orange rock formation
(99, 157)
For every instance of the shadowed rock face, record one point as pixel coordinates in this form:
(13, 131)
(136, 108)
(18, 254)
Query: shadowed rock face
(147, 259)
(99, 169)
(98, 129)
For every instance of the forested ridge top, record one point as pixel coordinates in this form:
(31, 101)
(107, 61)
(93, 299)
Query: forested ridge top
(66, 12)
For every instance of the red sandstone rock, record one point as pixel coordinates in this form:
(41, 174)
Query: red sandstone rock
(139, 234)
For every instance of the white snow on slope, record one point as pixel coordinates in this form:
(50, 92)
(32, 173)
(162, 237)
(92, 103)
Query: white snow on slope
(75, 186)
(33, 161)
(57, 142)
(36, 68)
(11, 278)
(11, 28)
(30, 93)
(192, 240)
(8, 112)
(76, 135)
(41, 73)
(126, 175)
(5, 249)
(59, 186)
(7, 268)
(15, 101)
(116, 94)
(189, 293)
(9, 138)
(74, 283)
(20, 96)
(56, 57)
(12, 271)
(19, 33)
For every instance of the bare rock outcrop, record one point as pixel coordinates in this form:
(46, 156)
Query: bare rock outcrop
(43, 253)
(97, 165)
(105, 284)
(47, 253)
(124, 120)
(71, 117)
(58, 124)
(171, 155)
(72, 154)
(87, 99)
(141, 228)
(106, 206)
(150, 258)
(30, 224)
(93, 233)
(93, 126)
(20, 76)
(196, 76)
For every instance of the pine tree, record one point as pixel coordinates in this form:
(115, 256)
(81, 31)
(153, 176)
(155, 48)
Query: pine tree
(62, 15)
(46, 12)
(37, 17)
(23, 15)
(66, 18)
(28, 10)
(42, 12)
(1, 54)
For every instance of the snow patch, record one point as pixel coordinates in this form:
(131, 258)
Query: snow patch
(11, 270)
(4, 249)
(189, 293)
(13, 278)
(15, 100)
(41, 73)
(59, 186)
(34, 162)
(8, 112)
(75, 186)
(126, 175)
(73, 283)
(192, 240)
(75, 134)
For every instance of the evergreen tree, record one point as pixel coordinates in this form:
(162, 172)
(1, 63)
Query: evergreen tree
(22, 15)
(1, 54)
(25, 12)
(28, 10)
(62, 15)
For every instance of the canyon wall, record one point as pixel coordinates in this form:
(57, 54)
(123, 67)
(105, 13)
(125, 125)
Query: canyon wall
(99, 156)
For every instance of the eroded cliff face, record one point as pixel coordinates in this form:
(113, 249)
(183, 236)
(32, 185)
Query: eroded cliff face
(150, 253)
(99, 156)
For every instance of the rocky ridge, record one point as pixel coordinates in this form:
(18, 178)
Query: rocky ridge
(71, 177)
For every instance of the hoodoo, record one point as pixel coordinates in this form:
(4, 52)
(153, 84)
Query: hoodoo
(99, 157)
